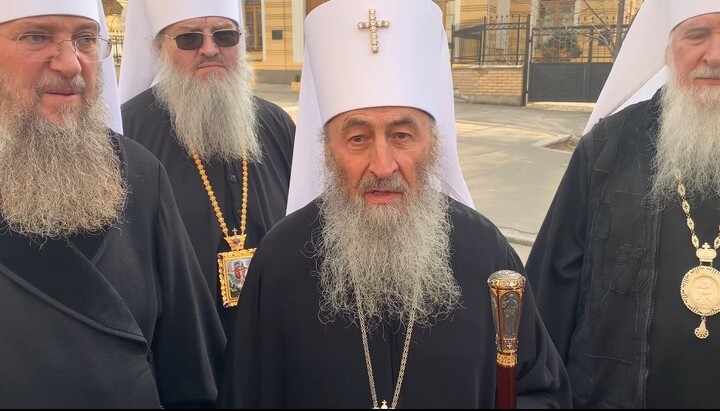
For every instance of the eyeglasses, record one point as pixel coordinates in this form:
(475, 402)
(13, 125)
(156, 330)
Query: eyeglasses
(44, 47)
(193, 40)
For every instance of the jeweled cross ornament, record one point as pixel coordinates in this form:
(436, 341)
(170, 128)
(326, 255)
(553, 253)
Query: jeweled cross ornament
(373, 25)
(236, 241)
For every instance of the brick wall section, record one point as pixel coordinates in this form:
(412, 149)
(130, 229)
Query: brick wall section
(489, 84)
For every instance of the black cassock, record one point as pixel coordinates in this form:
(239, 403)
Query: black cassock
(145, 121)
(282, 356)
(114, 320)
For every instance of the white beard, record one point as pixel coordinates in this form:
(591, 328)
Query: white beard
(214, 116)
(688, 141)
(57, 179)
(394, 260)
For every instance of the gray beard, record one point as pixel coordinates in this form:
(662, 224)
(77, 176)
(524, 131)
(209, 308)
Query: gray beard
(689, 142)
(393, 260)
(57, 180)
(214, 117)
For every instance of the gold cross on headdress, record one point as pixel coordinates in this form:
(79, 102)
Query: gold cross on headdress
(373, 24)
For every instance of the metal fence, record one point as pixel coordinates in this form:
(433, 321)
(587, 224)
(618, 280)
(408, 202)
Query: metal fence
(491, 41)
(577, 44)
(507, 41)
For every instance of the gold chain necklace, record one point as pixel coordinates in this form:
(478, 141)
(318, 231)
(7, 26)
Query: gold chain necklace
(700, 287)
(368, 362)
(233, 264)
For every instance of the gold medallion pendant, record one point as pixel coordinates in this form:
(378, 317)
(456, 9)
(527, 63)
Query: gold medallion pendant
(232, 268)
(232, 265)
(700, 290)
(700, 287)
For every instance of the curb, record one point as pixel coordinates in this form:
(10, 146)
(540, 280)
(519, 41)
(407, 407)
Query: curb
(518, 237)
(559, 138)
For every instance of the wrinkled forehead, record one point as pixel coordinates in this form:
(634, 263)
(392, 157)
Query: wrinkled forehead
(161, 14)
(706, 20)
(18, 9)
(51, 23)
(388, 115)
(680, 12)
(200, 23)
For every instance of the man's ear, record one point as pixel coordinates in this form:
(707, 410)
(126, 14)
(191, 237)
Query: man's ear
(158, 44)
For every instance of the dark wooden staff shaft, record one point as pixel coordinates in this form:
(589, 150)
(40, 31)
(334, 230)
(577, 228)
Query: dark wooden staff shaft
(506, 393)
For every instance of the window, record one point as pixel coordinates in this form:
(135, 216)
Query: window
(253, 25)
(555, 13)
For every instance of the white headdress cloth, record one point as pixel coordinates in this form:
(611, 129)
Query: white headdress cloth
(31, 8)
(91, 9)
(340, 73)
(145, 19)
(640, 69)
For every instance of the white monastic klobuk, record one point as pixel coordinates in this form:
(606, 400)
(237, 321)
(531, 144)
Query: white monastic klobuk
(341, 72)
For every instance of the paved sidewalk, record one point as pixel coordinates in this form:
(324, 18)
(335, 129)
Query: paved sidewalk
(512, 177)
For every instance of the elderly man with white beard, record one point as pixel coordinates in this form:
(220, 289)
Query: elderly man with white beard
(187, 97)
(624, 266)
(375, 293)
(98, 279)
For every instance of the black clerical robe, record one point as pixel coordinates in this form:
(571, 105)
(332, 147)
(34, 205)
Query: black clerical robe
(282, 356)
(607, 268)
(118, 319)
(145, 121)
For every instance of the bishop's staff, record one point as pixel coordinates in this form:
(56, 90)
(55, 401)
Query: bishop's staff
(506, 291)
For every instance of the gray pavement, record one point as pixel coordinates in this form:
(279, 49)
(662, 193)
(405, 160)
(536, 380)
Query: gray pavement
(511, 175)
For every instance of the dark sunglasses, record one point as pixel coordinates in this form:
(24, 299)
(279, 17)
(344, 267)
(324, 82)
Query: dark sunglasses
(193, 40)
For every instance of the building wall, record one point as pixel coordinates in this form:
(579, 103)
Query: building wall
(522, 7)
(476, 10)
(275, 63)
(489, 84)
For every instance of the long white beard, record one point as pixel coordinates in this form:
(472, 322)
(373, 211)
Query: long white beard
(214, 116)
(689, 142)
(394, 260)
(57, 179)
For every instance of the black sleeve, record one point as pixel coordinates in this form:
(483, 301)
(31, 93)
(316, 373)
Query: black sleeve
(189, 342)
(240, 388)
(555, 262)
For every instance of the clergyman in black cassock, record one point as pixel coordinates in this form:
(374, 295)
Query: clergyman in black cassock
(102, 300)
(119, 319)
(375, 292)
(149, 120)
(624, 265)
(150, 125)
(282, 356)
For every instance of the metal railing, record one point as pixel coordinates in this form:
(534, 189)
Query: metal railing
(500, 41)
(506, 41)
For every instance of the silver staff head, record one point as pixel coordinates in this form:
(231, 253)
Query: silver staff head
(506, 291)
